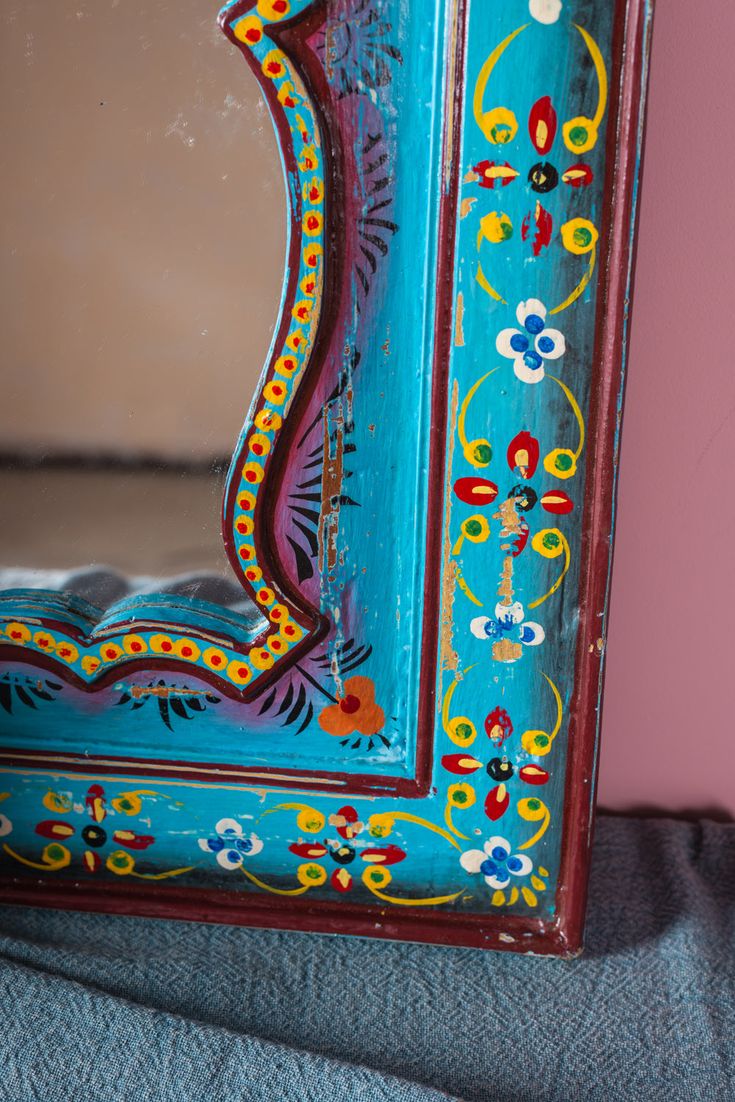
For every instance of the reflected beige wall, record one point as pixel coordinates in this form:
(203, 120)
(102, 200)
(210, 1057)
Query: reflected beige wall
(143, 229)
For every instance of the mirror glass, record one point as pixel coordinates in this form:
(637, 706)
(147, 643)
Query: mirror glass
(143, 238)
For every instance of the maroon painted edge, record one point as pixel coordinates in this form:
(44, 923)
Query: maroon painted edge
(515, 934)
(631, 45)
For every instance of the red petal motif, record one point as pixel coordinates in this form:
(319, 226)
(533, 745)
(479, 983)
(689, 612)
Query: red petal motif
(533, 774)
(542, 124)
(578, 176)
(475, 491)
(309, 850)
(131, 840)
(556, 501)
(54, 828)
(341, 880)
(523, 454)
(491, 173)
(387, 855)
(497, 802)
(544, 226)
(95, 802)
(461, 763)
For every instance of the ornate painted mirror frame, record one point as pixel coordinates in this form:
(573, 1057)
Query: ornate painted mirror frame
(398, 736)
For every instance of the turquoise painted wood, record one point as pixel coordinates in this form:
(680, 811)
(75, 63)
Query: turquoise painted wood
(398, 735)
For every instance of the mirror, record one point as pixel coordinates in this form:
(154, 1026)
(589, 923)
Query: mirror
(143, 239)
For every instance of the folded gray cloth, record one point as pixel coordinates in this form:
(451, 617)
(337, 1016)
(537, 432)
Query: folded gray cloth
(105, 1009)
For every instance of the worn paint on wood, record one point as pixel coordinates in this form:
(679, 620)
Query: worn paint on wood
(400, 739)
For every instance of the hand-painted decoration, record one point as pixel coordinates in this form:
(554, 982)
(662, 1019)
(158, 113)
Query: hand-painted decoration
(398, 737)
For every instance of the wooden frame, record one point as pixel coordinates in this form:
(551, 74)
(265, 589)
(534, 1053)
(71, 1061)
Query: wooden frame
(444, 171)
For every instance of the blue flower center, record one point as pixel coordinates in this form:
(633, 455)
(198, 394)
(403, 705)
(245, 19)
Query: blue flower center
(514, 864)
(533, 360)
(489, 868)
(499, 854)
(545, 345)
(519, 342)
(534, 324)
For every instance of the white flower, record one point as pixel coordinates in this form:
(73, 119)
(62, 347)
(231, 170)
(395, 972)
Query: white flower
(230, 844)
(530, 346)
(545, 11)
(496, 862)
(508, 620)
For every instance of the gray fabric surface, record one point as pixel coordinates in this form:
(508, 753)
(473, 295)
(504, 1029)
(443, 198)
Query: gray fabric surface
(107, 1009)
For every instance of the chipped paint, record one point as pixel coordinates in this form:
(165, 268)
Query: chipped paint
(458, 320)
(466, 205)
(328, 529)
(448, 656)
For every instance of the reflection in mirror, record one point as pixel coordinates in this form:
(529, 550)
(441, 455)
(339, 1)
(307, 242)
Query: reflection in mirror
(143, 236)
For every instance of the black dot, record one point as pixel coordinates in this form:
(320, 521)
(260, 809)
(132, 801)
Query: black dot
(543, 177)
(94, 836)
(499, 769)
(525, 497)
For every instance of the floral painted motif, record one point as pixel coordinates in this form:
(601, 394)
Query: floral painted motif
(342, 855)
(97, 840)
(230, 844)
(94, 835)
(354, 711)
(496, 862)
(532, 345)
(509, 622)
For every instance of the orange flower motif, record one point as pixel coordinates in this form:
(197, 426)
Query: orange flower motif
(355, 710)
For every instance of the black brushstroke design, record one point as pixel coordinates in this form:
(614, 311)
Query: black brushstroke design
(177, 702)
(29, 691)
(291, 701)
(356, 51)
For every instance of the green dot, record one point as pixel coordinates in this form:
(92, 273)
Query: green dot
(313, 873)
(533, 805)
(578, 135)
(472, 527)
(55, 852)
(551, 541)
(464, 731)
(582, 237)
(542, 740)
(460, 797)
(501, 134)
(483, 453)
(563, 462)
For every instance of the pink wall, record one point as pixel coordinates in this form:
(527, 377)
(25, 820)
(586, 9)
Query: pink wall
(668, 733)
